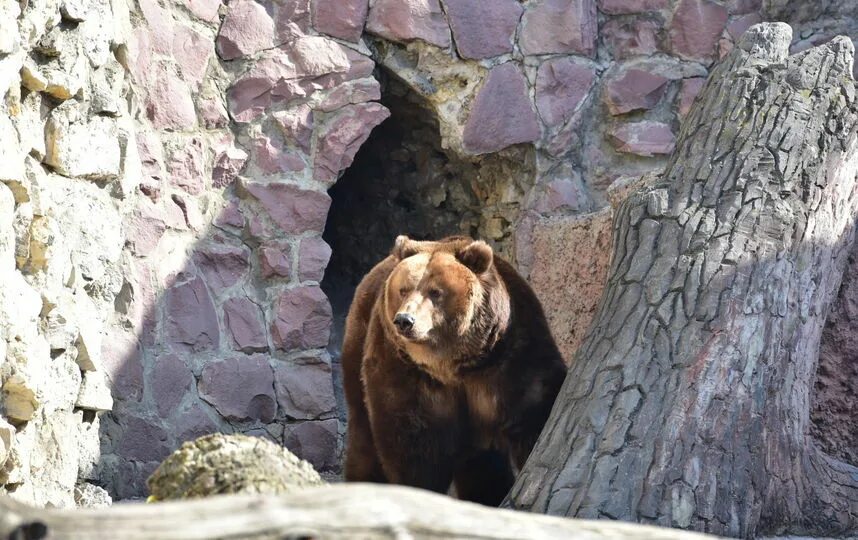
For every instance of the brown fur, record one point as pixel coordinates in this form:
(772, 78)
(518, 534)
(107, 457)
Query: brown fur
(462, 393)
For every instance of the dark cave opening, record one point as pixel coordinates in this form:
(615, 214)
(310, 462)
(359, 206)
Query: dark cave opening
(401, 182)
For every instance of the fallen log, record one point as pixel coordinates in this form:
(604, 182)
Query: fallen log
(336, 511)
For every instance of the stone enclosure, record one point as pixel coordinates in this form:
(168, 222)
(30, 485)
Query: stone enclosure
(190, 190)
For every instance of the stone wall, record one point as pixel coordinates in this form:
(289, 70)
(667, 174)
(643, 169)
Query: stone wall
(165, 167)
(67, 165)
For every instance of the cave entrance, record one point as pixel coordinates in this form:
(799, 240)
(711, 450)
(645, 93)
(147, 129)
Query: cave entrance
(400, 182)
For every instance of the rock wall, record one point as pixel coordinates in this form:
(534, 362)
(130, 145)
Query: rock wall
(67, 163)
(165, 167)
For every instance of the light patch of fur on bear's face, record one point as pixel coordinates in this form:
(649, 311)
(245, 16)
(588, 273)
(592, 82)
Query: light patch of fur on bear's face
(438, 292)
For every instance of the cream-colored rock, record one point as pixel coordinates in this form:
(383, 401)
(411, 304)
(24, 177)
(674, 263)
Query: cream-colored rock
(27, 189)
(230, 464)
(25, 391)
(20, 306)
(88, 224)
(40, 16)
(59, 391)
(7, 436)
(10, 68)
(94, 392)
(9, 33)
(121, 19)
(132, 169)
(75, 10)
(7, 229)
(89, 448)
(31, 125)
(66, 77)
(17, 467)
(87, 495)
(96, 33)
(49, 267)
(63, 67)
(316, 55)
(55, 41)
(53, 462)
(106, 87)
(81, 147)
(11, 157)
(19, 398)
(32, 77)
(91, 332)
(449, 85)
(21, 226)
(61, 328)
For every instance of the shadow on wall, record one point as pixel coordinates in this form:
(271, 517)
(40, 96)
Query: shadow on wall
(226, 335)
(223, 327)
(236, 333)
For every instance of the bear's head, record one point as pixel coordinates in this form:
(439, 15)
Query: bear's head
(445, 299)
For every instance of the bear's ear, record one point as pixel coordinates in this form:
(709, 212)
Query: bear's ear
(477, 256)
(404, 247)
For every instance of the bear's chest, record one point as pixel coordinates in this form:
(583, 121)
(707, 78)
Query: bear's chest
(482, 403)
(485, 414)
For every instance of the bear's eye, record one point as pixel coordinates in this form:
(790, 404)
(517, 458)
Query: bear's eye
(434, 294)
(403, 291)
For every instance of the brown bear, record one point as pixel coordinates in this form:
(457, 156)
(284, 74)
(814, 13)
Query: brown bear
(449, 369)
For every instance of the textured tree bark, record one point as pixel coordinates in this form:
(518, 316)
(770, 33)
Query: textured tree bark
(345, 511)
(687, 405)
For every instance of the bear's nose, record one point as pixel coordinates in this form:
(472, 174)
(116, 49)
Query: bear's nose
(403, 321)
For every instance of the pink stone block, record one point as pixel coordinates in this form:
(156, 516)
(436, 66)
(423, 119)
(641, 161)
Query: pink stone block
(305, 391)
(696, 27)
(302, 319)
(634, 90)
(559, 26)
(342, 136)
(247, 29)
(169, 381)
(407, 20)
(643, 138)
(561, 86)
(243, 319)
(186, 167)
(313, 257)
(342, 19)
(191, 321)
(241, 389)
(483, 29)
(275, 260)
(293, 209)
(505, 89)
(627, 39)
(222, 266)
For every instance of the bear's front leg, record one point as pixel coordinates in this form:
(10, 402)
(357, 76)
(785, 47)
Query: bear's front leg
(361, 463)
(414, 422)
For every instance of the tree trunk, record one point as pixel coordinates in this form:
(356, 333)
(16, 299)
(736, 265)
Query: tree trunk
(688, 403)
(366, 511)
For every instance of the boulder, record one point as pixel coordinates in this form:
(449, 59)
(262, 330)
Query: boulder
(218, 464)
